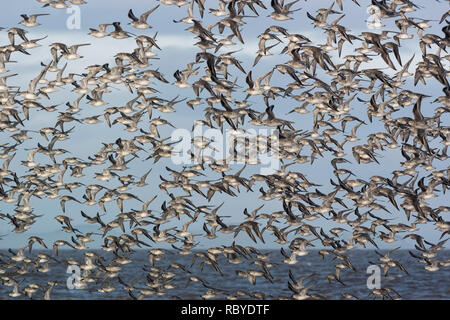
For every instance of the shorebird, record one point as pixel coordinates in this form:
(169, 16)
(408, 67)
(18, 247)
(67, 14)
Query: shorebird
(30, 20)
(118, 32)
(141, 22)
(335, 96)
(282, 11)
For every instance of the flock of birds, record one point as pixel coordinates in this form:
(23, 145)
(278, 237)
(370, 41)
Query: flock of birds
(364, 210)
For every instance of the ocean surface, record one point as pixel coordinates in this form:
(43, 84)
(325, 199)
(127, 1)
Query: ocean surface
(419, 284)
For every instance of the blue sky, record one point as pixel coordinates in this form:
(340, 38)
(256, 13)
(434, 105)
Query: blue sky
(177, 51)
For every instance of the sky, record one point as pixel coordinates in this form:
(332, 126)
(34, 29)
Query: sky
(178, 50)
